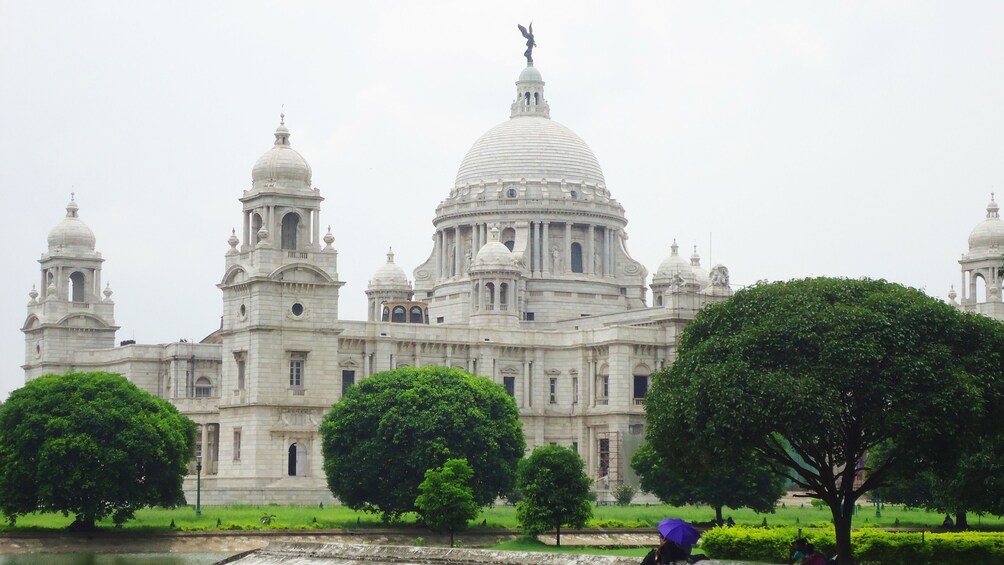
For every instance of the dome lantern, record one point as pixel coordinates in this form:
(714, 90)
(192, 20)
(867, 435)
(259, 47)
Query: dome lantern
(71, 233)
(988, 234)
(530, 95)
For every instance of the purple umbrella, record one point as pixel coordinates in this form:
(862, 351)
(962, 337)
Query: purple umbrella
(679, 531)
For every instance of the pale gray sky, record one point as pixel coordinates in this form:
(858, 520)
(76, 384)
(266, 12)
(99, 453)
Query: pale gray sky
(802, 138)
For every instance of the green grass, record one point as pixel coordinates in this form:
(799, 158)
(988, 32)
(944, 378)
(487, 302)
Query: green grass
(527, 544)
(334, 516)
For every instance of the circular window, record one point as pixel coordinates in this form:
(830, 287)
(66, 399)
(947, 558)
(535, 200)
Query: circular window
(574, 195)
(243, 310)
(511, 193)
(297, 309)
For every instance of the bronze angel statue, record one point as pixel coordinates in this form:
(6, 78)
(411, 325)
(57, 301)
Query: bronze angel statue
(530, 43)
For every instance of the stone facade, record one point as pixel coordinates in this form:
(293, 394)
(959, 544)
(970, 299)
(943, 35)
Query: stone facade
(529, 283)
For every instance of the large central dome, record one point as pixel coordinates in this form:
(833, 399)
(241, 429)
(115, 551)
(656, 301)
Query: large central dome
(529, 147)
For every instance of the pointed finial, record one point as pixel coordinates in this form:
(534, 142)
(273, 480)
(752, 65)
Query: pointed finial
(282, 115)
(73, 195)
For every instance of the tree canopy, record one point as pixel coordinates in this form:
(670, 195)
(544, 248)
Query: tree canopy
(446, 501)
(555, 491)
(812, 374)
(390, 428)
(92, 445)
(688, 478)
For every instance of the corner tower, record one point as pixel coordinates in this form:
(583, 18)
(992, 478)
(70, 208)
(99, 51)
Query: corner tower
(70, 312)
(280, 340)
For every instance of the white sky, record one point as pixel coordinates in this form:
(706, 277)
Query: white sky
(804, 138)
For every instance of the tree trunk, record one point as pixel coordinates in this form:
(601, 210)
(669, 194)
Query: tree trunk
(557, 540)
(718, 515)
(451, 538)
(961, 520)
(842, 532)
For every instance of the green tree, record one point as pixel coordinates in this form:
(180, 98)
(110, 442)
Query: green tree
(447, 502)
(555, 491)
(968, 474)
(91, 445)
(689, 478)
(387, 430)
(811, 375)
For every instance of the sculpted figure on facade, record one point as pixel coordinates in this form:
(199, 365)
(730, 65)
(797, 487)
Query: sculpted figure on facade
(530, 43)
(556, 259)
(719, 276)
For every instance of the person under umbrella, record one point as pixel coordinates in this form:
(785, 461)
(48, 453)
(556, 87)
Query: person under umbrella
(676, 537)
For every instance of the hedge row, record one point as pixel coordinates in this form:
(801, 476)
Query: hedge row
(870, 546)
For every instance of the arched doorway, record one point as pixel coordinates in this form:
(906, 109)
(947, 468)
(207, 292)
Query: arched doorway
(290, 224)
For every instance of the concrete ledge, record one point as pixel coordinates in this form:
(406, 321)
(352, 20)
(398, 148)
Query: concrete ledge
(281, 553)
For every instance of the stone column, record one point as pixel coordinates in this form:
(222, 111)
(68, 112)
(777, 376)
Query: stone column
(458, 263)
(246, 234)
(533, 250)
(316, 224)
(548, 267)
(475, 241)
(612, 267)
(568, 247)
(590, 252)
(205, 446)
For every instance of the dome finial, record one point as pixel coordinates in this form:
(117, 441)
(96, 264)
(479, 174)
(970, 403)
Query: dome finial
(674, 248)
(390, 254)
(281, 132)
(282, 114)
(992, 207)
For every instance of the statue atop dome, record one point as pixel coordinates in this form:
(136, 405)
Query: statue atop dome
(530, 43)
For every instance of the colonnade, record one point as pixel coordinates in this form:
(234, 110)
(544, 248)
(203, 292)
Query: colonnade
(59, 276)
(544, 260)
(267, 213)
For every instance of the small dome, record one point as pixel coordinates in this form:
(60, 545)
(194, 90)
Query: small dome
(71, 233)
(494, 255)
(530, 73)
(701, 276)
(281, 164)
(988, 234)
(672, 266)
(389, 275)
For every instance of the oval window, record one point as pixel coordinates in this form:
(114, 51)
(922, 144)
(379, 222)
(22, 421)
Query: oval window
(297, 309)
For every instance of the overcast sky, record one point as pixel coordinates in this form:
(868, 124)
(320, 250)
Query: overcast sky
(784, 139)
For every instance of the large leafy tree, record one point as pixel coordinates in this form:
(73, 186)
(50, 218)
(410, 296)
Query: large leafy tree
(446, 500)
(812, 374)
(387, 430)
(968, 475)
(687, 478)
(91, 445)
(555, 491)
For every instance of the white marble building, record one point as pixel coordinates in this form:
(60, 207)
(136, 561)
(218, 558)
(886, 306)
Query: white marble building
(983, 267)
(529, 283)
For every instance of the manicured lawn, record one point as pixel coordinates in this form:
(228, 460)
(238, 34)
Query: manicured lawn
(333, 516)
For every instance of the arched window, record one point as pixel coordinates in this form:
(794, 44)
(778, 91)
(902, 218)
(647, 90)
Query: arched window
(536, 98)
(77, 286)
(415, 317)
(490, 296)
(386, 314)
(290, 223)
(658, 300)
(477, 296)
(527, 99)
(297, 462)
(981, 287)
(576, 257)
(503, 296)
(203, 388)
(399, 314)
(255, 226)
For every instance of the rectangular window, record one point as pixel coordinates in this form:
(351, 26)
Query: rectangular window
(604, 457)
(241, 367)
(575, 446)
(440, 319)
(510, 385)
(348, 379)
(554, 390)
(605, 386)
(296, 373)
(528, 316)
(237, 444)
(640, 386)
(575, 390)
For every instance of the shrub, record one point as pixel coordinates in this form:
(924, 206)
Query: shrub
(624, 494)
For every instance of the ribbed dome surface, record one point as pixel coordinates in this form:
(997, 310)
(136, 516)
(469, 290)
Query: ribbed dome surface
(530, 147)
(71, 232)
(990, 232)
